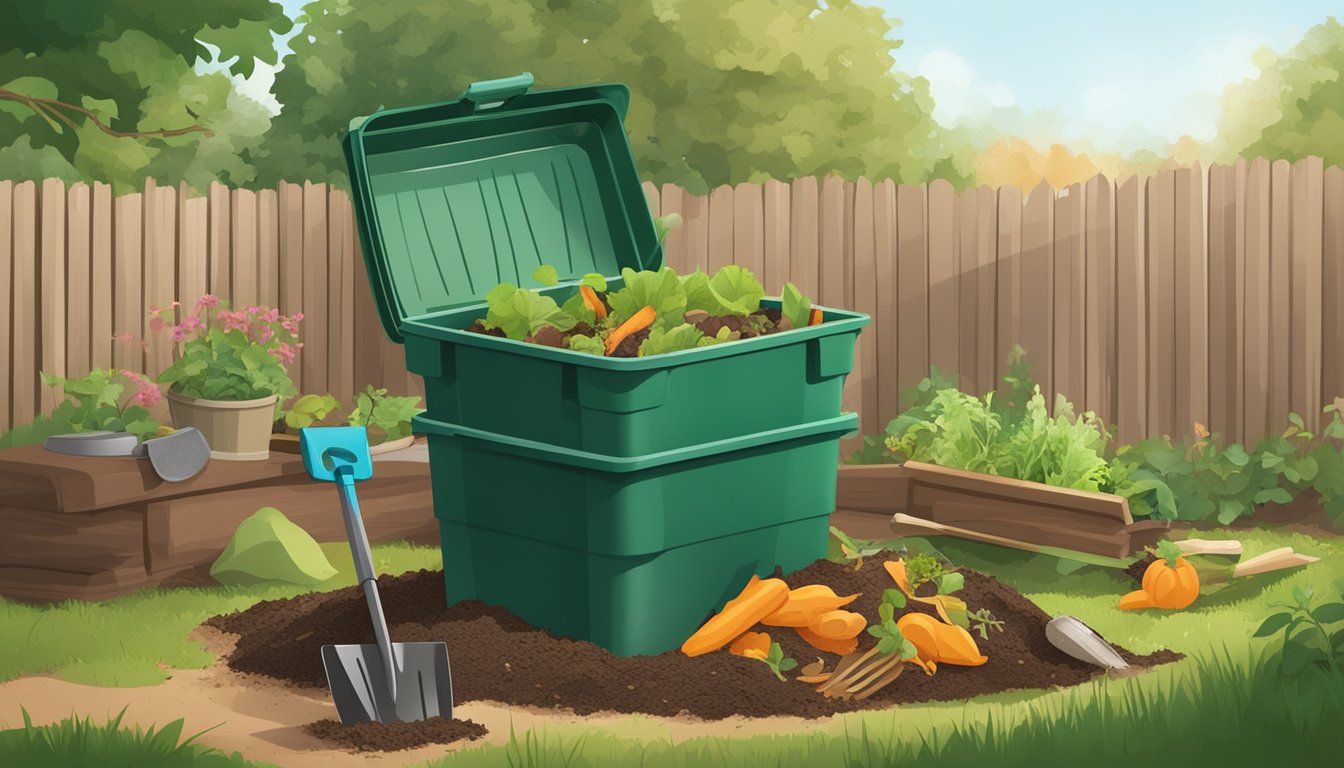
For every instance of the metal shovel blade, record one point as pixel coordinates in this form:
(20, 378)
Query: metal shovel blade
(359, 685)
(176, 457)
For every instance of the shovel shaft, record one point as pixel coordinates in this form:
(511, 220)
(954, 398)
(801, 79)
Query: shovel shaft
(368, 580)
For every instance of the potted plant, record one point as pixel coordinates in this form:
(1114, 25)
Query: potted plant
(228, 373)
(387, 419)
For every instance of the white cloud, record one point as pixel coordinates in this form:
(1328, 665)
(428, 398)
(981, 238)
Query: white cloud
(958, 90)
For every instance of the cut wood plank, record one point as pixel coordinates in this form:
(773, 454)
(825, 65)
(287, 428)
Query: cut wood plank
(901, 524)
(1231, 548)
(80, 543)
(1116, 507)
(1273, 560)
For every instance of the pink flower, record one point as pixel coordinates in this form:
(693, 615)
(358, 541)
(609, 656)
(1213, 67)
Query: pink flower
(124, 337)
(208, 300)
(253, 310)
(156, 323)
(147, 397)
(271, 315)
(265, 334)
(284, 353)
(179, 335)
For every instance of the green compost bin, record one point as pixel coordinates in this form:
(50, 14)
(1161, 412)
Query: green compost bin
(607, 499)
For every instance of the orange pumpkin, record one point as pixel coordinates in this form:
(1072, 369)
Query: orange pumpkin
(1170, 582)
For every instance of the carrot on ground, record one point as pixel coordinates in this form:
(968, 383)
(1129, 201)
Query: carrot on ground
(838, 625)
(759, 599)
(838, 647)
(637, 322)
(805, 605)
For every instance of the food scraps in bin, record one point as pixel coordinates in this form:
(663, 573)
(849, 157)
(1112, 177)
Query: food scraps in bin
(653, 313)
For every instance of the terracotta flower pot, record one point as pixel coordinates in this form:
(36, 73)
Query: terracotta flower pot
(236, 430)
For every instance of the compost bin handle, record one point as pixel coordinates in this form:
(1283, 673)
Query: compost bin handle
(488, 93)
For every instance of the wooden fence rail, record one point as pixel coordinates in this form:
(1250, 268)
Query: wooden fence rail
(1210, 296)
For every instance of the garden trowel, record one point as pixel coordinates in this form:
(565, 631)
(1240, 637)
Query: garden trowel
(175, 457)
(384, 682)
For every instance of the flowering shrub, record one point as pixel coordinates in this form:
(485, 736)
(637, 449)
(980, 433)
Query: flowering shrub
(97, 401)
(227, 354)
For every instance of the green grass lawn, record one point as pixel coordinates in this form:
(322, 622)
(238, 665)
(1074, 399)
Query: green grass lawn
(81, 742)
(1222, 703)
(123, 642)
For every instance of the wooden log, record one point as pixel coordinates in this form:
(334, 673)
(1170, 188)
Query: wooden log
(87, 542)
(1273, 560)
(49, 585)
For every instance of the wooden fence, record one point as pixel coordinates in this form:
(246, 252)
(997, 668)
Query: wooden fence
(1189, 296)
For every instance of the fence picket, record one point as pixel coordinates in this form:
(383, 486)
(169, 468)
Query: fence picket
(102, 293)
(51, 288)
(1070, 276)
(831, 226)
(1332, 280)
(243, 235)
(1008, 271)
(1191, 313)
(1257, 299)
(1280, 292)
(804, 238)
(886, 323)
(1101, 286)
(777, 216)
(7, 317)
(1224, 329)
(1307, 273)
(312, 359)
(78, 294)
(160, 267)
(128, 306)
(1162, 304)
(219, 273)
(749, 233)
(719, 229)
(912, 283)
(1037, 287)
(866, 301)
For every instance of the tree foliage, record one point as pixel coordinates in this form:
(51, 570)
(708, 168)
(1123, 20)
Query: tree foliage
(108, 90)
(723, 92)
(1295, 107)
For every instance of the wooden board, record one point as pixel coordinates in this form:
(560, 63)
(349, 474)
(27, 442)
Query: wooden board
(51, 291)
(749, 233)
(86, 542)
(1070, 289)
(1332, 278)
(912, 282)
(944, 260)
(1308, 183)
(886, 322)
(1100, 337)
(865, 301)
(776, 212)
(1256, 362)
(805, 237)
(1162, 305)
(1008, 271)
(719, 229)
(6, 295)
(78, 295)
(1037, 287)
(1191, 314)
(1280, 295)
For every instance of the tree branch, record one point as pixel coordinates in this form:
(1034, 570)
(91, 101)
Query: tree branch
(48, 108)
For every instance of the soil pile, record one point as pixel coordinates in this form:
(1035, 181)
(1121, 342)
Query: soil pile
(498, 657)
(389, 737)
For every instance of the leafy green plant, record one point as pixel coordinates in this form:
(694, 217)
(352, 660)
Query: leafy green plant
(889, 637)
(922, 569)
(384, 415)
(982, 621)
(731, 291)
(778, 662)
(684, 336)
(309, 410)
(224, 354)
(589, 345)
(851, 552)
(795, 306)
(662, 290)
(1308, 641)
(98, 403)
(519, 313)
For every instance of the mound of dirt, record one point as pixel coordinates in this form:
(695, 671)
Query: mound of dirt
(498, 657)
(390, 737)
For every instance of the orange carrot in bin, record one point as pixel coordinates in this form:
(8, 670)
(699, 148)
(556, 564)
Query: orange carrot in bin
(816, 317)
(638, 322)
(594, 303)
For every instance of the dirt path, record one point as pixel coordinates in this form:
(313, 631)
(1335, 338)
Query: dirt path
(263, 719)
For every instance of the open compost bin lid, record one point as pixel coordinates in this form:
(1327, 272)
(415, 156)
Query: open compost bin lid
(453, 198)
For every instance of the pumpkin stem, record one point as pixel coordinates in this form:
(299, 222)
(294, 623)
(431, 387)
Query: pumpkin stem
(1168, 551)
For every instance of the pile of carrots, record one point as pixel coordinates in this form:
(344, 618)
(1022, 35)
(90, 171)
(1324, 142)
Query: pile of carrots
(815, 612)
(819, 616)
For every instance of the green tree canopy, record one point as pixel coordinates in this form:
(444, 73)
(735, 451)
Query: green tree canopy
(108, 90)
(723, 92)
(1295, 107)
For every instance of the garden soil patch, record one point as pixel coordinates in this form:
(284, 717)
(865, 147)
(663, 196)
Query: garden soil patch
(498, 657)
(388, 737)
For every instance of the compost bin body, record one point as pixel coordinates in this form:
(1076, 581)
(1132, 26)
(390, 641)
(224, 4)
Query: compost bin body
(612, 500)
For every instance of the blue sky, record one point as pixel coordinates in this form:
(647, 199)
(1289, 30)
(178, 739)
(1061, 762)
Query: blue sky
(1121, 76)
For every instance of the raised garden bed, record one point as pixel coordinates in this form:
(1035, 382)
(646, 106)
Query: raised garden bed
(498, 657)
(95, 528)
(1030, 513)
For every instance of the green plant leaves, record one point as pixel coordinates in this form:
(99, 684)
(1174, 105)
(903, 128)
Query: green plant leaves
(949, 583)
(546, 275)
(664, 340)
(661, 290)
(520, 312)
(795, 306)
(1273, 624)
(731, 291)
(383, 415)
(596, 281)
(590, 345)
(309, 410)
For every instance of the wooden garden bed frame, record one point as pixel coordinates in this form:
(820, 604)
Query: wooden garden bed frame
(1006, 511)
(94, 528)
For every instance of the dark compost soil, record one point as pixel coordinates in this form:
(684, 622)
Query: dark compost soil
(498, 657)
(379, 737)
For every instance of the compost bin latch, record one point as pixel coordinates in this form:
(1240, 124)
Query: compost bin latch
(491, 93)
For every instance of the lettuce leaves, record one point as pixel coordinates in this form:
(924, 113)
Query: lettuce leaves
(795, 306)
(731, 291)
(520, 312)
(661, 290)
(682, 337)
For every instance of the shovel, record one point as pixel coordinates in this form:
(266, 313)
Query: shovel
(384, 682)
(175, 458)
